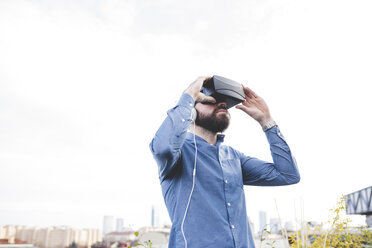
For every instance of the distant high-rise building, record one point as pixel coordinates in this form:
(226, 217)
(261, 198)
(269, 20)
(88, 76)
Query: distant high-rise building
(274, 225)
(119, 225)
(108, 224)
(262, 221)
(154, 217)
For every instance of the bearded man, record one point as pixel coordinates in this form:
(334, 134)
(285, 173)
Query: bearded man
(202, 179)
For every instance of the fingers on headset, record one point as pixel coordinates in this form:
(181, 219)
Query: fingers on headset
(209, 99)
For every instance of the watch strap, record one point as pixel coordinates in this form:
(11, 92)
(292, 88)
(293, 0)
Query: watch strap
(269, 125)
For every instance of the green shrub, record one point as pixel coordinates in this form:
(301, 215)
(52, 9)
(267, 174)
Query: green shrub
(340, 234)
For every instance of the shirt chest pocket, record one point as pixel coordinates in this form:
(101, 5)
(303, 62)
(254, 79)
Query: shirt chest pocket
(232, 171)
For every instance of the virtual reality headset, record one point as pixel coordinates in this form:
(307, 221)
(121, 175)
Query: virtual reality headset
(224, 90)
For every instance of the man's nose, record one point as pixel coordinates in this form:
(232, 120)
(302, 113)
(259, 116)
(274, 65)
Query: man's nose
(222, 105)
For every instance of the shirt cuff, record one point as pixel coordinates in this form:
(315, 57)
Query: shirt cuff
(187, 101)
(274, 135)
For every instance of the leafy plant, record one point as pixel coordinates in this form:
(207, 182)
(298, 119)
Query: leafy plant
(265, 233)
(146, 244)
(340, 233)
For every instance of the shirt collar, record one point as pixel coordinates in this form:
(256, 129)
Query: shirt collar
(190, 136)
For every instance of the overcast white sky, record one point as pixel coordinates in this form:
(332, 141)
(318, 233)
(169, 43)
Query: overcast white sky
(84, 85)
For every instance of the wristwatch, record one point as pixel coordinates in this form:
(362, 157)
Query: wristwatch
(269, 125)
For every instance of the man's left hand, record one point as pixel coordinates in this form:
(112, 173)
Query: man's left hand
(255, 107)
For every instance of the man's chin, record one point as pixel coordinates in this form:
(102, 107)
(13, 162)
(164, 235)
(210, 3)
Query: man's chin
(216, 123)
(223, 116)
(222, 124)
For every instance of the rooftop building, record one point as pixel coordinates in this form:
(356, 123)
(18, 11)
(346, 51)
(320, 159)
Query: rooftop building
(360, 202)
(51, 237)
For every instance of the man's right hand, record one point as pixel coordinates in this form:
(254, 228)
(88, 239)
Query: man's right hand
(194, 91)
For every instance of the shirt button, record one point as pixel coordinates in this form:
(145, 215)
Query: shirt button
(191, 104)
(280, 134)
(229, 204)
(226, 181)
(232, 226)
(183, 120)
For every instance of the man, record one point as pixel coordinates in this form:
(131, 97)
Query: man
(202, 180)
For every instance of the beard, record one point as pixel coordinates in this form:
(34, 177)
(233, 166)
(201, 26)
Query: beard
(213, 123)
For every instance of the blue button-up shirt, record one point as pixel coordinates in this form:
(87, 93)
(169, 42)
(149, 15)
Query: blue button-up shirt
(216, 216)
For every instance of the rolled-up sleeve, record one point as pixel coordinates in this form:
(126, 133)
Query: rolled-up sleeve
(282, 171)
(167, 143)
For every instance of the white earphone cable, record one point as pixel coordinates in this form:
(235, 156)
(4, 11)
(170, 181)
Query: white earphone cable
(192, 189)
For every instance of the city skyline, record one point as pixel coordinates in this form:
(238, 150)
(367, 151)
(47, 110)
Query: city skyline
(84, 85)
